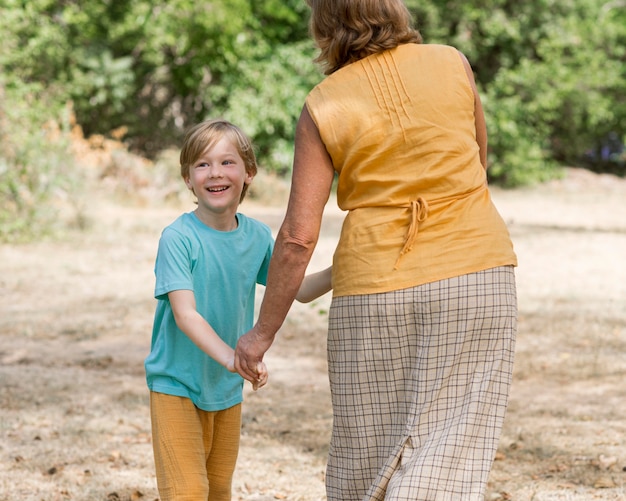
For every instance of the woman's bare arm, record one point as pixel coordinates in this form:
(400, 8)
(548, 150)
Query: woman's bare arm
(479, 114)
(310, 188)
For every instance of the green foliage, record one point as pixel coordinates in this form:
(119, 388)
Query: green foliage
(267, 99)
(157, 67)
(36, 169)
(518, 153)
(552, 75)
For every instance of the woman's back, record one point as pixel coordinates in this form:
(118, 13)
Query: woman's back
(400, 127)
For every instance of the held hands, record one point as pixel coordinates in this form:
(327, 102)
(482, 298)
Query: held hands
(261, 377)
(249, 354)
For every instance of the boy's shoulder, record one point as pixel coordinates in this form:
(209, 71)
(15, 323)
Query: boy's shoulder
(187, 225)
(181, 224)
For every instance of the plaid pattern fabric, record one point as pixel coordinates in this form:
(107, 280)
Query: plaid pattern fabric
(420, 379)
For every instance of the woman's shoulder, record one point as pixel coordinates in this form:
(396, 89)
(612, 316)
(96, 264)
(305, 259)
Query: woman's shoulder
(440, 56)
(351, 76)
(432, 48)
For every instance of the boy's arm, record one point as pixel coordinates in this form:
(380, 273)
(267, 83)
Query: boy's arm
(194, 325)
(315, 285)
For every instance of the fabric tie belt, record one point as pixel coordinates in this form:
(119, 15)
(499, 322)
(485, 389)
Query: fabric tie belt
(419, 212)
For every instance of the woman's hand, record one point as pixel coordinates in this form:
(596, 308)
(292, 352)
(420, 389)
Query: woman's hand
(249, 353)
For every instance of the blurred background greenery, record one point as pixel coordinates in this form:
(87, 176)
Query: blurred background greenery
(78, 77)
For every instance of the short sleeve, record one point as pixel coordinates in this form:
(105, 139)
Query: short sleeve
(263, 270)
(173, 264)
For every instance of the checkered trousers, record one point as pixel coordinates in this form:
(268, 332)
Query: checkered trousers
(420, 379)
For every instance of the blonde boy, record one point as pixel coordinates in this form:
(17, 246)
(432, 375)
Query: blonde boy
(208, 264)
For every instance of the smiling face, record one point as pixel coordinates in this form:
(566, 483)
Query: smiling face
(217, 162)
(217, 178)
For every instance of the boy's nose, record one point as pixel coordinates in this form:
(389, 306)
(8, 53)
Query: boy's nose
(215, 170)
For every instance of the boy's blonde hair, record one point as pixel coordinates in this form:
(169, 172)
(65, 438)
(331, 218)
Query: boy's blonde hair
(205, 134)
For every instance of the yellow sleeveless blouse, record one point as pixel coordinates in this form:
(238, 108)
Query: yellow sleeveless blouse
(399, 128)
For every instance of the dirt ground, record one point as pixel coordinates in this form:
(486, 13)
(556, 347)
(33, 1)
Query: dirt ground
(75, 322)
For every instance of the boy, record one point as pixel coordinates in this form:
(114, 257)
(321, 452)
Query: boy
(208, 264)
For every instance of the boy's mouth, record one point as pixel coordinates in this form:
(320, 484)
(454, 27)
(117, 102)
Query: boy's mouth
(217, 189)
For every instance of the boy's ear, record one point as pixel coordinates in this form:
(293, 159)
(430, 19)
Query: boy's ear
(249, 178)
(188, 183)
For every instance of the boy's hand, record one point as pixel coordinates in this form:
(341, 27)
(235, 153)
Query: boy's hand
(262, 376)
(230, 364)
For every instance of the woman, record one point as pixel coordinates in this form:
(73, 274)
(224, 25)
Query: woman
(423, 318)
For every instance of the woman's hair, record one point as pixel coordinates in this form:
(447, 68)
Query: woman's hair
(205, 134)
(348, 30)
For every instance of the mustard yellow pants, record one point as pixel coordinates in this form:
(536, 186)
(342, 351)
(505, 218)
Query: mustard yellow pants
(195, 451)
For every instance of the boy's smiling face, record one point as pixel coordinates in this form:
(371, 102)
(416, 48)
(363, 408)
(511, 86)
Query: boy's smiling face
(217, 179)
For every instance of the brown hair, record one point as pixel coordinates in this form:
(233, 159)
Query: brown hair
(348, 30)
(205, 134)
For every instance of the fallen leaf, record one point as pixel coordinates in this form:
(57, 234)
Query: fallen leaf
(53, 470)
(558, 468)
(605, 462)
(604, 483)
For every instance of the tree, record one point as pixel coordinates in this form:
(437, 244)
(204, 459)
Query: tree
(551, 75)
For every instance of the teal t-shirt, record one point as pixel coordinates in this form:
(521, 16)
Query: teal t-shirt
(222, 269)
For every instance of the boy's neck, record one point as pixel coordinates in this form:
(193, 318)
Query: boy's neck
(226, 221)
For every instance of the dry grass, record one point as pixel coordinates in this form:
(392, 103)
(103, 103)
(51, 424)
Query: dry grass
(75, 320)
